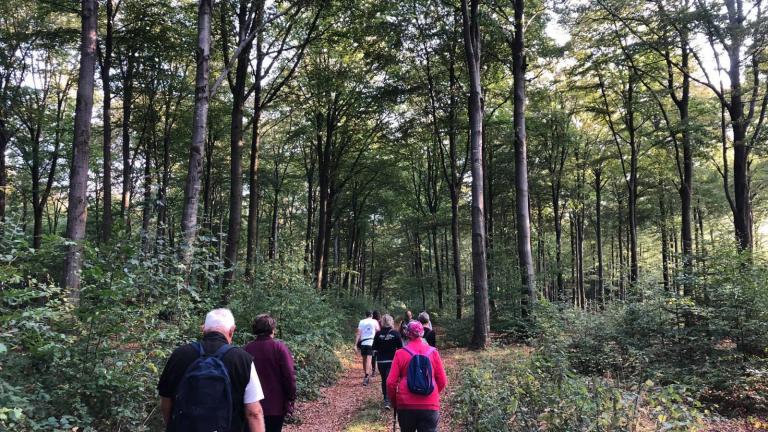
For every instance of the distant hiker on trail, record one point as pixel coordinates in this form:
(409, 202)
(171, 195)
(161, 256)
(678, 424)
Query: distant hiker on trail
(366, 330)
(385, 343)
(415, 382)
(211, 385)
(404, 323)
(429, 332)
(377, 317)
(274, 364)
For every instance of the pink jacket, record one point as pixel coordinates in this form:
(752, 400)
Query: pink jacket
(397, 387)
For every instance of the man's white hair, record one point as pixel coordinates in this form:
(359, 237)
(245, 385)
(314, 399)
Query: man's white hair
(219, 319)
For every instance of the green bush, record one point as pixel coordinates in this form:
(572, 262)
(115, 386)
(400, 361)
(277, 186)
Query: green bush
(511, 392)
(713, 342)
(310, 324)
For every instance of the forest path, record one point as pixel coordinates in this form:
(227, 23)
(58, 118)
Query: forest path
(351, 407)
(339, 403)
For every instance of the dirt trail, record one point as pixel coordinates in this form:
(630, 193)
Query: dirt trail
(339, 403)
(349, 406)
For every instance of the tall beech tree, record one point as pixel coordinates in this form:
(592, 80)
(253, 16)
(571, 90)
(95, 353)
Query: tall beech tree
(470, 14)
(199, 127)
(105, 65)
(78, 177)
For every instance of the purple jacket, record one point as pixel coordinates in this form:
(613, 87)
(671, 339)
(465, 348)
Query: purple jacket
(274, 365)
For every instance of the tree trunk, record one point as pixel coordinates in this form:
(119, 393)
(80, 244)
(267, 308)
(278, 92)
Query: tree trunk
(162, 196)
(146, 210)
(199, 125)
(521, 162)
(3, 172)
(471, 33)
(620, 236)
(439, 275)
(236, 147)
(310, 177)
(207, 192)
(580, 292)
(742, 202)
(454, 186)
(78, 179)
(127, 165)
(599, 234)
(686, 187)
(664, 242)
(106, 66)
(274, 225)
(253, 165)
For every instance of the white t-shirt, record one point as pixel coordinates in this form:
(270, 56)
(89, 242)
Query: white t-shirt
(253, 391)
(368, 328)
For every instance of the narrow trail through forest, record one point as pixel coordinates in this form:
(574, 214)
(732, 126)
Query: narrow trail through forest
(351, 407)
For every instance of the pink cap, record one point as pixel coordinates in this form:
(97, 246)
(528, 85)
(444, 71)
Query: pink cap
(414, 330)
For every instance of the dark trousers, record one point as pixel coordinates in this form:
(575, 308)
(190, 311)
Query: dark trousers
(273, 423)
(418, 420)
(384, 371)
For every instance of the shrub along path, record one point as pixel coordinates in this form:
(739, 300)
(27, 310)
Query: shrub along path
(349, 406)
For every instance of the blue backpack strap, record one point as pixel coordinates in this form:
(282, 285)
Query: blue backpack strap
(199, 347)
(409, 351)
(224, 349)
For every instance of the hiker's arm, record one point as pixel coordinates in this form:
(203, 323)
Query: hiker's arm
(357, 338)
(289, 373)
(254, 416)
(166, 406)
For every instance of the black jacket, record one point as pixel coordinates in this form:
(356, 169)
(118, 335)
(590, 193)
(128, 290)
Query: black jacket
(385, 343)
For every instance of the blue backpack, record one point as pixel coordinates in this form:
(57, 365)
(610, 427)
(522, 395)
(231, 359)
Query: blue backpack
(419, 376)
(204, 398)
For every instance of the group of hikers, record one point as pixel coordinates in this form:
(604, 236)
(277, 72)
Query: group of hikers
(412, 373)
(211, 385)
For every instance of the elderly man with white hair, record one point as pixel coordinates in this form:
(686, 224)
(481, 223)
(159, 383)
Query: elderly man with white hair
(211, 385)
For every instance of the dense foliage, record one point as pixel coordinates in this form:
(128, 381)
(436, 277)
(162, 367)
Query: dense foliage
(96, 367)
(660, 364)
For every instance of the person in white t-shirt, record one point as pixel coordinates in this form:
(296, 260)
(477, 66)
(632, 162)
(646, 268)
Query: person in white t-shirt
(366, 330)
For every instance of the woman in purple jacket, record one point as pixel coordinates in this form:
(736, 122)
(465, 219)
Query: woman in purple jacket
(274, 365)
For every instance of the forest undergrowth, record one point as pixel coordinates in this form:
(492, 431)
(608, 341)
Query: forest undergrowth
(664, 363)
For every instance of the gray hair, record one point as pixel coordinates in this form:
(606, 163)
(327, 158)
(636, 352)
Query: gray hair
(387, 321)
(424, 318)
(219, 319)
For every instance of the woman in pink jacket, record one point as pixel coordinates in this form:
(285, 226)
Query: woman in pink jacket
(416, 412)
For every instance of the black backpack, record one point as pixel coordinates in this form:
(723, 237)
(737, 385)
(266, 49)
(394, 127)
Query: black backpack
(419, 376)
(204, 399)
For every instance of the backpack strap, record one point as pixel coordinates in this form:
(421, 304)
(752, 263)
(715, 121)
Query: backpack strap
(429, 351)
(222, 351)
(199, 347)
